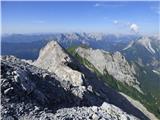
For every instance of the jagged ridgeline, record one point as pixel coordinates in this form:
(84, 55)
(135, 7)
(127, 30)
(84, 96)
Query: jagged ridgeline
(57, 86)
(127, 77)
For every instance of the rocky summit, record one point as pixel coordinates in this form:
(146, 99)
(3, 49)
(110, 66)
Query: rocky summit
(54, 58)
(57, 87)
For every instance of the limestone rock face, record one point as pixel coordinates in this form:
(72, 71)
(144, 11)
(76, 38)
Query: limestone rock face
(114, 64)
(54, 59)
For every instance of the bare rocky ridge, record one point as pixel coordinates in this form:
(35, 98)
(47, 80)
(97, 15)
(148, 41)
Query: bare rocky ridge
(115, 64)
(53, 58)
(29, 92)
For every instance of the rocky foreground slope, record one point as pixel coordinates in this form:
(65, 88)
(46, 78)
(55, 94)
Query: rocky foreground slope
(29, 92)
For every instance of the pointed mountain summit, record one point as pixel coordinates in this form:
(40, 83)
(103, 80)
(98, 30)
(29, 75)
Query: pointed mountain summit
(55, 59)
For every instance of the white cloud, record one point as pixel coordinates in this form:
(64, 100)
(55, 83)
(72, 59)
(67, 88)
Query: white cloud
(134, 28)
(126, 25)
(115, 22)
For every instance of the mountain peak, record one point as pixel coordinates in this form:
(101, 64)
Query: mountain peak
(114, 64)
(49, 52)
(54, 58)
(146, 42)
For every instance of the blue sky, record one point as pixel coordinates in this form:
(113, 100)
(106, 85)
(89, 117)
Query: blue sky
(107, 17)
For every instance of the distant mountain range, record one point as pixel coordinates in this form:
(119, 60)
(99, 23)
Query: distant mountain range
(83, 37)
(142, 49)
(34, 42)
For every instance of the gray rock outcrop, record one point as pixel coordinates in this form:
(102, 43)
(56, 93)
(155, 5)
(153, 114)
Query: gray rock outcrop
(54, 58)
(114, 64)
